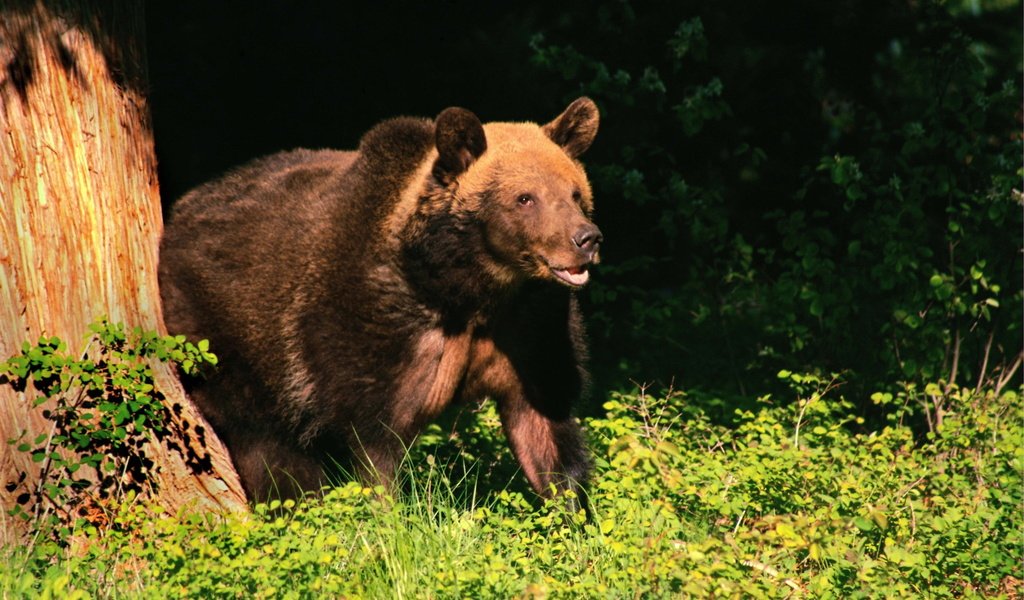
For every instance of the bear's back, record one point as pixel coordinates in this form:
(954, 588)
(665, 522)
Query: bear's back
(240, 245)
(246, 256)
(267, 193)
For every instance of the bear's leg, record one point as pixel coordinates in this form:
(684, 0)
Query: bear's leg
(267, 455)
(272, 467)
(531, 365)
(550, 448)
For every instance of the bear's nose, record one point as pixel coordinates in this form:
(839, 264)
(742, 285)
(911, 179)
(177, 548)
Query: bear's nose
(587, 238)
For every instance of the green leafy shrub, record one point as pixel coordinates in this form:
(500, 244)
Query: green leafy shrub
(102, 408)
(841, 199)
(791, 501)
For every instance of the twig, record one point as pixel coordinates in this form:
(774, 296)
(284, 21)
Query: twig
(913, 519)
(939, 411)
(818, 395)
(906, 489)
(956, 361)
(800, 418)
(928, 415)
(1008, 375)
(44, 474)
(984, 361)
(739, 521)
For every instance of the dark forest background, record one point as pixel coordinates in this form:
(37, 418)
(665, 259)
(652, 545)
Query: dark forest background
(818, 187)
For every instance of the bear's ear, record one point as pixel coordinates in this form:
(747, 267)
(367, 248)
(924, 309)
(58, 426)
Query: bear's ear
(574, 129)
(460, 141)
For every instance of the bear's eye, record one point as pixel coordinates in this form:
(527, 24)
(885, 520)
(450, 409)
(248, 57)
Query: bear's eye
(577, 196)
(525, 200)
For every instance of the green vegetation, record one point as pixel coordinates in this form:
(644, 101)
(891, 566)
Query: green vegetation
(792, 500)
(828, 189)
(101, 407)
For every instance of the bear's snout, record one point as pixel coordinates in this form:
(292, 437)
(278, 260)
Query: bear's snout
(588, 239)
(586, 242)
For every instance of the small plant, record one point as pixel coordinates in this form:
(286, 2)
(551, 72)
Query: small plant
(102, 408)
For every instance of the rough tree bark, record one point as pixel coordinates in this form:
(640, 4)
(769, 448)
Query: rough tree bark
(80, 217)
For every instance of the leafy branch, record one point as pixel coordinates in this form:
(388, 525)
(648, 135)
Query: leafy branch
(103, 408)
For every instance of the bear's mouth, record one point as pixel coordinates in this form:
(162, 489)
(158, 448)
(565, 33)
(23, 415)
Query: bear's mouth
(574, 276)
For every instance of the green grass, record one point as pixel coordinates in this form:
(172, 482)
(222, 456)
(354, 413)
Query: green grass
(794, 500)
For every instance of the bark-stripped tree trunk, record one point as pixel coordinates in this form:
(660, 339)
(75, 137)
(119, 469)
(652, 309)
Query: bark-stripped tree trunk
(80, 217)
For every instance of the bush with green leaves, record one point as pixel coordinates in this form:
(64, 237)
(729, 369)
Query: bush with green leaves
(102, 408)
(790, 501)
(834, 188)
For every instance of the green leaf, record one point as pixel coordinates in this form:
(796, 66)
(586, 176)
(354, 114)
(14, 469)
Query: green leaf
(122, 414)
(817, 308)
(864, 523)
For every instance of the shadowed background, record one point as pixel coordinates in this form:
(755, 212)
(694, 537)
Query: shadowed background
(807, 186)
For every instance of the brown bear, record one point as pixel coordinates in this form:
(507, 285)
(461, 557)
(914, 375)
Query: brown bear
(351, 296)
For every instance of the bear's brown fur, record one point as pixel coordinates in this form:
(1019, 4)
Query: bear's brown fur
(351, 296)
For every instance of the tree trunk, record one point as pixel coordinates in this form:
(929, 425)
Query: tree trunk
(80, 218)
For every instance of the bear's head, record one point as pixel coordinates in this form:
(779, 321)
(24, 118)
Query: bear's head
(521, 184)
